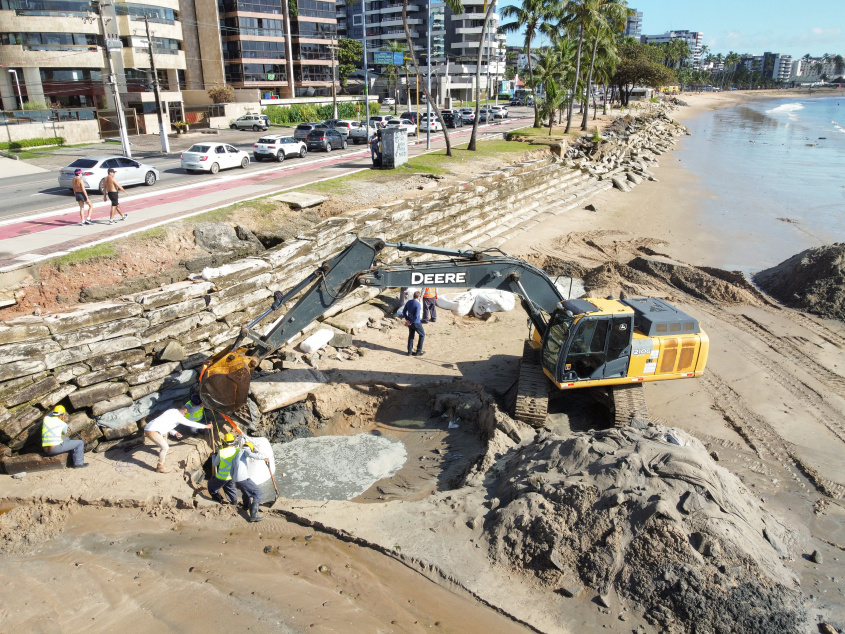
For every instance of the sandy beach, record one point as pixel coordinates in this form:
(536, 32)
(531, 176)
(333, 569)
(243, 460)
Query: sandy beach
(770, 406)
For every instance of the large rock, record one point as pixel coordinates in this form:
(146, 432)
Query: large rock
(100, 392)
(20, 419)
(33, 462)
(98, 377)
(145, 406)
(27, 350)
(112, 404)
(246, 235)
(32, 392)
(283, 388)
(183, 378)
(91, 316)
(23, 332)
(173, 351)
(242, 302)
(109, 359)
(21, 368)
(174, 311)
(53, 398)
(355, 320)
(100, 332)
(127, 429)
(153, 374)
(177, 327)
(67, 373)
(216, 237)
(173, 294)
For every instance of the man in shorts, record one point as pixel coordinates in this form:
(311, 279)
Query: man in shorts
(112, 188)
(81, 197)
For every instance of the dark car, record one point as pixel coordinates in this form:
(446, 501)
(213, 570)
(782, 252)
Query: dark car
(410, 116)
(453, 119)
(302, 130)
(325, 139)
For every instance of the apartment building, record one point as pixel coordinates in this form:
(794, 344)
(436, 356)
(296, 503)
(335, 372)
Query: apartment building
(694, 40)
(634, 24)
(782, 69)
(56, 50)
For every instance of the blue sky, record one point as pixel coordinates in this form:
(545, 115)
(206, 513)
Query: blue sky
(748, 26)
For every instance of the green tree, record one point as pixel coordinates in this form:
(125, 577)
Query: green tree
(609, 19)
(392, 72)
(474, 135)
(350, 55)
(639, 64)
(527, 17)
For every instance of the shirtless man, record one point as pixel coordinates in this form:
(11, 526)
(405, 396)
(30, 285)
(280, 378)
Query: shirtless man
(81, 197)
(112, 188)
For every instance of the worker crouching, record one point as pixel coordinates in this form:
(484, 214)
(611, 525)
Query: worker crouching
(157, 430)
(54, 443)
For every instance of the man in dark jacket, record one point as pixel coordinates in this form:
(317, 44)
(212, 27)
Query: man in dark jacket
(411, 313)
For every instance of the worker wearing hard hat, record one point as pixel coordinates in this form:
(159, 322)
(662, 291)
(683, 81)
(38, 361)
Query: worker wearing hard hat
(224, 461)
(54, 443)
(240, 474)
(157, 430)
(194, 408)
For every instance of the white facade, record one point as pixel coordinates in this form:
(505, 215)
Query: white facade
(634, 24)
(694, 40)
(783, 68)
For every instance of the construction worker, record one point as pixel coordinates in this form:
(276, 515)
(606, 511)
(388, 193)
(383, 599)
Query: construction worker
(195, 410)
(250, 491)
(54, 443)
(429, 313)
(157, 430)
(224, 460)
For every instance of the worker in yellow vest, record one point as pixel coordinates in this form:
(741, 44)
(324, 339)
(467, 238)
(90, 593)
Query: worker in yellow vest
(224, 461)
(429, 305)
(54, 443)
(195, 410)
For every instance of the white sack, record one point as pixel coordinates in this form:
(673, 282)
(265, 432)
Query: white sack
(209, 273)
(316, 341)
(460, 304)
(493, 301)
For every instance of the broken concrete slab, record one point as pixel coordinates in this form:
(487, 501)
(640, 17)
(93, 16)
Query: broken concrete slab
(33, 462)
(283, 388)
(32, 392)
(100, 376)
(27, 350)
(127, 429)
(173, 351)
(109, 330)
(91, 316)
(355, 320)
(21, 368)
(153, 374)
(110, 405)
(20, 419)
(109, 359)
(173, 293)
(298, 200)
(185, 377)
(100, 392)
(143, 407)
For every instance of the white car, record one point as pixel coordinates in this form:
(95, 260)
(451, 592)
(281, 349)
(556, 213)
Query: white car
(275, 147)
(388, 101)
(433, 123)
(406, 124)
(213, 157)
(499, 112)
(94, 169)
(468, 115)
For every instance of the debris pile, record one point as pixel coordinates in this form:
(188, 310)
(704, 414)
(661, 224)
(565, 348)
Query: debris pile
(648, 516)
(812, 280)
(630, 146)
(25, 528)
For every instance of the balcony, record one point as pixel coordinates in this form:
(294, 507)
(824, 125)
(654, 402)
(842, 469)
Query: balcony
(83, 56)
(467, 30)
(398, 34)
(398, 22)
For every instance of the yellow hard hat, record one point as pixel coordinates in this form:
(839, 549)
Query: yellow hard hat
(229, 438)
(59, 409)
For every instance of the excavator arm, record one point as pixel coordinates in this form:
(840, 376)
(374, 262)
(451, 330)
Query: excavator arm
(224, 380)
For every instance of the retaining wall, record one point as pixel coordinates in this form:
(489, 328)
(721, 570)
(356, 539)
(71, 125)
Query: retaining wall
(117, 362)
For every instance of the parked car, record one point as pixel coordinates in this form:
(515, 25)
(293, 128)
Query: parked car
(431, 122)
(499, 112)
(484, 115)
(360, 132)
(95, 169)
(276, 147)
(325, 139)
(516, 102)
(412, 116)
(254, 122)
(406, 124)
(468, 115)
(213, 157)
(453, 119)
(379, 118)
(302, 130)
(341, 125)
(388, 101)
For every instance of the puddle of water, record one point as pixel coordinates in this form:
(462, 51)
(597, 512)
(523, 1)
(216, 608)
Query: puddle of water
(410, 422)
(335, 467)
(5, 508)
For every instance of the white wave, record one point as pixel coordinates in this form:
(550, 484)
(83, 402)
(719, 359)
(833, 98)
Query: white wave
(838, 127)
(787, 108)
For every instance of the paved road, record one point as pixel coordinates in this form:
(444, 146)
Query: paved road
(52, 229)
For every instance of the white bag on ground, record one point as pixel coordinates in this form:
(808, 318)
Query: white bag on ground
(460, 304)
(405, 295)
(493, 301)
(316, 341)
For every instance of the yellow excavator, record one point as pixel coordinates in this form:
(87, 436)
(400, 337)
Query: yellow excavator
(614, 345)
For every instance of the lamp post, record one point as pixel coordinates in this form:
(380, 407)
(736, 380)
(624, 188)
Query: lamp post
(428, 80)
(18, 84)
(366, 76)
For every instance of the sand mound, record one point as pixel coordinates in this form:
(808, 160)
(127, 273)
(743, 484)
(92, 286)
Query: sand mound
(658, 523)
(813, 281)
(24, 528)
(612, 278)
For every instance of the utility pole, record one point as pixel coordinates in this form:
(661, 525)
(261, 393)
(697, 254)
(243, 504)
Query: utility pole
(428, 79)
(366, 76)
(112, 81)
(165, 143)
(333, 47)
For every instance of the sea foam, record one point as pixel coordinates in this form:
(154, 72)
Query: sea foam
(787, 108)
(838, 127)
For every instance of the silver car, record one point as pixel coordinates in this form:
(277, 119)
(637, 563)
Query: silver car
(254, 122)
(95, 169)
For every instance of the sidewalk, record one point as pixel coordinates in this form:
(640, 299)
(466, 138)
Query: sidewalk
(58, 232)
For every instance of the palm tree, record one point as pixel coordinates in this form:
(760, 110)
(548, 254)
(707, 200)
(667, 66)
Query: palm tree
(457, 7)
(605, 66)
(610, 18)
(487, 16)
(529, 15)
(391, 74)
(579, 15)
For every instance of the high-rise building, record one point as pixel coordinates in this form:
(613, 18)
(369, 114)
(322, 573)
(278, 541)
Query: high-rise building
(694, 40)
(634, 24)
(384, 25)
(264, 42)
(782, 68)
(56, 48)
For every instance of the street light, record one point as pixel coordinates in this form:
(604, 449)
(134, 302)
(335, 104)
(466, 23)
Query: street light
(18, 84)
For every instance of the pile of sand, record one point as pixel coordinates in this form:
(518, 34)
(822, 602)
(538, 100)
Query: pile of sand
(813, 281)
(646, 515)
(24, 528)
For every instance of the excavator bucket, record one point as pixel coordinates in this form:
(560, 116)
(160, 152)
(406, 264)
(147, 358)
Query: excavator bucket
(224, 380)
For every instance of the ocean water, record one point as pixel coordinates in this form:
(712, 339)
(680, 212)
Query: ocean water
(773, 175)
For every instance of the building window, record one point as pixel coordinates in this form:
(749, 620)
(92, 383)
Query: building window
(161, 45)
(253, 26)
(255, 6)
(140, 11)
(47, 7)
(255, 72)
(248, 49)
(70, 74)
(312, 73)
(316, 9)
(316, 30)
(357, 20)
(49, 41)
(312, 51)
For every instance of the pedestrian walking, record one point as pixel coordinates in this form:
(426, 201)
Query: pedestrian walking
(157, 430)
(429, 313)
(224, 460)
(411, 313)
(249, 490)
(112, 188)
(81, 195)
(53, 442)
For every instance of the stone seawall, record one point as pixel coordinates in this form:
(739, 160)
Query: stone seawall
(116, 363)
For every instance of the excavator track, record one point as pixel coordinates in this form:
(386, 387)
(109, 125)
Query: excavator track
(628, 403)
(532, 396)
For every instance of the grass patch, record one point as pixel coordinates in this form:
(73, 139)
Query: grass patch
(40, 152)
(88, 254)
(557, 132)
